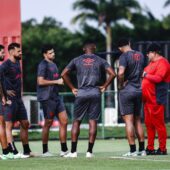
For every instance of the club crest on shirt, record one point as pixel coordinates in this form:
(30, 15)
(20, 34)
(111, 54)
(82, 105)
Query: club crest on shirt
(55, 75)
(88, 62)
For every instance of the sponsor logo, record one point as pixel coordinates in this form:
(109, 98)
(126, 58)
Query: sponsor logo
(88, 62)
(136, 57)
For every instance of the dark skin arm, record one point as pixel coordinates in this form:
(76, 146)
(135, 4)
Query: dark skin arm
(65, 76)
(112, 75)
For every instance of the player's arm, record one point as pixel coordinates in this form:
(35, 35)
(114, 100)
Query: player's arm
(2, 96)
(112, 75)
(41, 81)
(121, 77)
(158, 75)
(152, 78)
(65, 76)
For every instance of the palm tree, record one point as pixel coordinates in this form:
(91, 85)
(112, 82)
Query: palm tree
(167, 3)
(105, 12)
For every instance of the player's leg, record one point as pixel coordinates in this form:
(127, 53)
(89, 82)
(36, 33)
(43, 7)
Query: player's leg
(3, 139)
(126, 109)
(138, 125)
(21, 116)
(49, 112)
(158, 119)
(80, 109)
(9, 116)
(63, 119)
(150, 128)
(94, 110)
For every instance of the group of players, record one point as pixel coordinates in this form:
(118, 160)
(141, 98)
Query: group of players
(136, 83)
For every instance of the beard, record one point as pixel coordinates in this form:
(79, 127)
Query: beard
(17, 58)
(1, 58)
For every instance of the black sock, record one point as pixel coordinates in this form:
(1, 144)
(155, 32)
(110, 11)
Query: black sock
(45, 148)
(12, 148)
(132, 148)
(5, 151)
(90, 148)
(73, 147)
(27, 149)
(141, 146)
(64, 147)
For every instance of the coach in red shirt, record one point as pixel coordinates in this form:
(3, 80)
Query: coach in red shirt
(156, 77)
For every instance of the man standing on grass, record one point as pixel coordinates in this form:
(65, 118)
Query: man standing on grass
(15, 111)
(88, 69)
(3, 139)
(131, 64)
(156, 77)
(48, 81)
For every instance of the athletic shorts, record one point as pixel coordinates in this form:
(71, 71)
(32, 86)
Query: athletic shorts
(52, 107)
(87, 106)
(130, 101)
(16, 111)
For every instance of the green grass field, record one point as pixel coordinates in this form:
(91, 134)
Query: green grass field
(107, 156)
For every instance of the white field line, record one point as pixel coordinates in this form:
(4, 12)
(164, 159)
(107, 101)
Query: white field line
(138, 159)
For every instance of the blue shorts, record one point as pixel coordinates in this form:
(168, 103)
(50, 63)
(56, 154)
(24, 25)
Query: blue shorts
(130, 101)
(87, 106)
(16, 111)
(52, 107)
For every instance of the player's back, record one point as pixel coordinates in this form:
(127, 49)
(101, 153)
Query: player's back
(133, 61)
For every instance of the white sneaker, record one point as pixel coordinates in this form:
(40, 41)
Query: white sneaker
(142, 153)
(20, 156)
(89, 155)
(62, 153)
(7, 156)
(47, 154)
(131, 154)
(71, 155)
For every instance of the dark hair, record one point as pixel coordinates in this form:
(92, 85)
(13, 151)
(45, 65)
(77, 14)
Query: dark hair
(46, 48)
(12, 46)
(123, 42)
(90, 44)
(154, 47)
(1, 47)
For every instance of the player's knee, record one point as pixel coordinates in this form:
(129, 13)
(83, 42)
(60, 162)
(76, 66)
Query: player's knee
(64, 122)
(25, 125)
(48, 123)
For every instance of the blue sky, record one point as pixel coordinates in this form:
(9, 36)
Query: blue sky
(62, 10)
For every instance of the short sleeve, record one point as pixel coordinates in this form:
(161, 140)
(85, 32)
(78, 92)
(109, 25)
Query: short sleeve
(123, 61)
(41, 70)
(105, 64)
(71, 65)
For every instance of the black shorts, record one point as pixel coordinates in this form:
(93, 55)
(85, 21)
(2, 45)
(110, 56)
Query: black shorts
(52, 107)
(130, 101)
(16, 111)
(87, 105)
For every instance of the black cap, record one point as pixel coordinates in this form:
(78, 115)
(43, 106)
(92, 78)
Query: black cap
(123, 42)
(154, 47)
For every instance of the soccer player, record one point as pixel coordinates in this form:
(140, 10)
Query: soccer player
(5, 151)
(88, 69)
(48, 80)
(131, 64)
(154, 91)
(15, 111)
